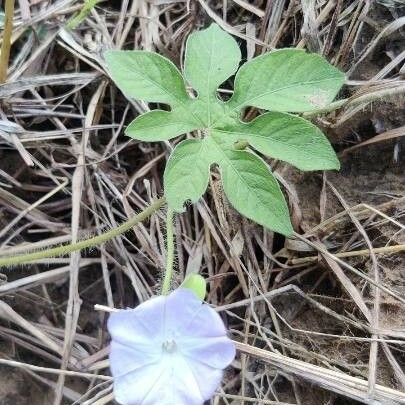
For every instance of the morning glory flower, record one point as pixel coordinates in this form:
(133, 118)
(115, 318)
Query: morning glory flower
(170, 350)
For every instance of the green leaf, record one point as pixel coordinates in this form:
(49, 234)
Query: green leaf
(147, 76)
(187, 173)
(252, 189)
(254, 192)
(161, 125)
(195, 283)
(248, 183)
(285, 137)
(212, 56)
(286, 80)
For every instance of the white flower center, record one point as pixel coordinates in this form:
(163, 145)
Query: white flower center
(169, 346)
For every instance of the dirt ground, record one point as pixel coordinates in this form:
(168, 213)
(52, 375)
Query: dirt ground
(327, 318)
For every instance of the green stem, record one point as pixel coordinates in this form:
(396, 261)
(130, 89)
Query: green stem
(167, 281)
(86, 243)
(6, 45)
(352, 102)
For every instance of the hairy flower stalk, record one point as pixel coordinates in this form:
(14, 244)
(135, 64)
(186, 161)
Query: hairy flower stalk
(170, 350)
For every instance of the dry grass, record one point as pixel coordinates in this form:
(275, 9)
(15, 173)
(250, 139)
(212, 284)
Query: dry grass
(313, 328)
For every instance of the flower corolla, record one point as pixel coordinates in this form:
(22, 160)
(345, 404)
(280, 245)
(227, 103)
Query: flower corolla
(170, 350)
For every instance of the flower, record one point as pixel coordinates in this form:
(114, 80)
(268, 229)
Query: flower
(170, 350)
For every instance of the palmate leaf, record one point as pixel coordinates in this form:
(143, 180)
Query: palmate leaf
(282, 81)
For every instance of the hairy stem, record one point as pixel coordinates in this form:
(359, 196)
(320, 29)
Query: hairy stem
(6, 45)
(85, 243)
(169, 252)
(354, 101)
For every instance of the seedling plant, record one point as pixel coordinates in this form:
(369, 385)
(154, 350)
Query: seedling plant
(172, 348)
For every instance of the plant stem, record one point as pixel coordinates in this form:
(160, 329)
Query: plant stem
(86, 243)
(353, 253)
(365, 98)
(167, 281)
(6, 45)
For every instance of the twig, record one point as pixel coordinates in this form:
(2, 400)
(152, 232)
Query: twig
(347, 266)
(336, 381)
(353, 253)
(48, 370)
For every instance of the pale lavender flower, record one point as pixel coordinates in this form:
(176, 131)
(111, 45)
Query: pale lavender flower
(170, 350)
